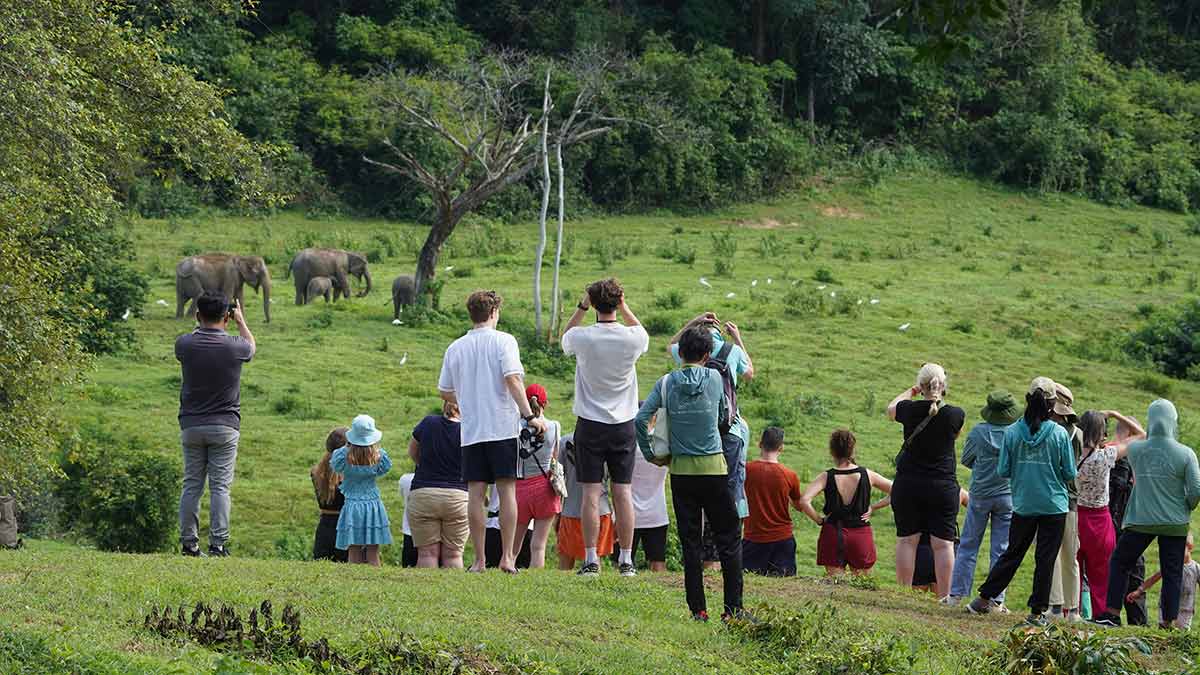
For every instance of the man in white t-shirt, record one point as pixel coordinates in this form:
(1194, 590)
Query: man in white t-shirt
(606, 402)
(482, 373)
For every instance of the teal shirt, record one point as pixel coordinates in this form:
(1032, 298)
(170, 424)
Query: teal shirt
(981, 454)
(1039, 467)
(1167, 480)
(739, 363)
(695, 407)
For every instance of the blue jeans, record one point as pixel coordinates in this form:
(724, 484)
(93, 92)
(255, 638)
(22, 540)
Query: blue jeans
(979, 511)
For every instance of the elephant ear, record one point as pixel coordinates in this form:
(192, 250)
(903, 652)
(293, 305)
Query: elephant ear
(248, 269)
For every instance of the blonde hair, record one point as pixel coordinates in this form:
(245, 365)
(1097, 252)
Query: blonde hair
(932, 381)
(324, 478)
(363, 455)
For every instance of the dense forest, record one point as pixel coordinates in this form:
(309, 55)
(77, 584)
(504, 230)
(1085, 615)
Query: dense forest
(163, 108)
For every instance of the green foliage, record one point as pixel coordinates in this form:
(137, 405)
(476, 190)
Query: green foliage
(1170, 340)
(1057, 649)
(661, 324)
(724, 248)
(120, 496)
(672, 299)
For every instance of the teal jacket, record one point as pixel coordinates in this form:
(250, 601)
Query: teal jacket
(695, 406)
(1038, 466)
(1166, 484)
(981, 455)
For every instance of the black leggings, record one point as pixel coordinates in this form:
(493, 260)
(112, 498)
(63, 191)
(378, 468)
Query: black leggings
(1048, 530)
(692, 495)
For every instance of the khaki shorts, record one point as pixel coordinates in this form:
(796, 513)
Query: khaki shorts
(438, 515)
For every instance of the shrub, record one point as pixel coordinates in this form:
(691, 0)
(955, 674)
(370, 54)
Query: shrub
(769, 246)
(1062, 650)
(1168, 340)
(120, 496)
(965, 326)
(823, 275)
(1159, 386)
(724, 247)
(660, 324)
(672, 299)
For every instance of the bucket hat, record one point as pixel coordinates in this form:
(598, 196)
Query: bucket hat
(1063, 400)
(363, 431)
(1001, 409)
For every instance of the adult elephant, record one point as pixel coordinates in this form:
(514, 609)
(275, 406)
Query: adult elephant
(332, 263)
(404, 292)
(221, 272)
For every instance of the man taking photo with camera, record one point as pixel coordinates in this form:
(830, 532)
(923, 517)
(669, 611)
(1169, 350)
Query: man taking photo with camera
(210, 417)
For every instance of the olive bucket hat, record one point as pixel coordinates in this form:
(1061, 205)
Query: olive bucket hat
(1001, 409)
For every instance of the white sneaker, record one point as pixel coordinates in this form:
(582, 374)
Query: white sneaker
(1074, 617)
(628, 570)
(950, 601)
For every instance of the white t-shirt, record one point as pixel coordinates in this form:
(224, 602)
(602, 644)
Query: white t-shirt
(606, 354)
(649, 493)
(405, 487)
(474, 370)
(1092, 481)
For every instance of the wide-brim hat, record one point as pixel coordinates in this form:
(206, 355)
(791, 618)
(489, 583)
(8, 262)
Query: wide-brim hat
(363, 431)
(1063, 402)
(1001, 409)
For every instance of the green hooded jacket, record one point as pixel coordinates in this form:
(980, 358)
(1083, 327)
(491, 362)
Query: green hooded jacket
(1166, 484)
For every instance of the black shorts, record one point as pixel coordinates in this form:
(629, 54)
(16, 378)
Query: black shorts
(653, 541)
(598, 444)
(774, 559)
(485, 462)
(923, 506)
(408, 555)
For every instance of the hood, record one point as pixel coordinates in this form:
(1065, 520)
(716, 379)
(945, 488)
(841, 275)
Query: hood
(1042, 434)
(1162, 420)
(690, 381)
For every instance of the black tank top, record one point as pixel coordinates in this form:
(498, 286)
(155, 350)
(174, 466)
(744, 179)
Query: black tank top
(847, 515)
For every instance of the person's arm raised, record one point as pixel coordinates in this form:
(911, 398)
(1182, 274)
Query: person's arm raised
(581, 311)
(243, 329)
(627, 316)
(706, 317)
(906, 395)
(736, 335)
(1136, 432)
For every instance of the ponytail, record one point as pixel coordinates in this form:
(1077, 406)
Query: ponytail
(535, 407)
(931, 379)
(1037, 410)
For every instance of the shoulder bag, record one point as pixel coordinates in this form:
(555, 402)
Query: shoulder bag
(660, 438)
(908, 441)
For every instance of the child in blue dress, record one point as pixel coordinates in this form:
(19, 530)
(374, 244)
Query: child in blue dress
(363, 524)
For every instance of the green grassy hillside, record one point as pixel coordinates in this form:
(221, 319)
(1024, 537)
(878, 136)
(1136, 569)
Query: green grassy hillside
(997, 285)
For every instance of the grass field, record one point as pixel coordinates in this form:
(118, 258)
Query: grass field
(996, 285)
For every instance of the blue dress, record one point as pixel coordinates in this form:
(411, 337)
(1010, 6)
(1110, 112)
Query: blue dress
(364, 520)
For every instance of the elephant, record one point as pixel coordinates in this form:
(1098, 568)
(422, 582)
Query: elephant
(221, 272)
(317, 287)
(332, 263)
(404, 292)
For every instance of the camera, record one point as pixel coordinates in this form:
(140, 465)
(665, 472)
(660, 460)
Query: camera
(232, 306)
(528, 443)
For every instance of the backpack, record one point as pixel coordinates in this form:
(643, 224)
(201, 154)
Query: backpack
(8, 523)
(720, 363)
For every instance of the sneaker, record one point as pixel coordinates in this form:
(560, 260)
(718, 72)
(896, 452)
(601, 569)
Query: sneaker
(591, 569)
(1000, 608)
(191, 551)
(700, 616)
(950, 601)
(979, 605)
(627, 570)
(1037, 619)
(1074, 617)
(215, 551)
(1106, 621)
(741, 614)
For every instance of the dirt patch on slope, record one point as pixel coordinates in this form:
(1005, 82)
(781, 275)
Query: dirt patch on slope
(840, 212)
(763, 224)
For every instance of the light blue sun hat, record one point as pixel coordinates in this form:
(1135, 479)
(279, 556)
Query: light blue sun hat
(363, 431)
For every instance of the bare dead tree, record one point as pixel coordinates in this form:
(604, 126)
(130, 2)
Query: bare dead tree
(541, 245)
(478, 117)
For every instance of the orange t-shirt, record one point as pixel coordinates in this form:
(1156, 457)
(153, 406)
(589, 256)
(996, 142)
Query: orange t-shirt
(771, 488)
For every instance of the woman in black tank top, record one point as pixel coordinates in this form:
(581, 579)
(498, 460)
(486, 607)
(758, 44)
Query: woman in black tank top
(846, 538)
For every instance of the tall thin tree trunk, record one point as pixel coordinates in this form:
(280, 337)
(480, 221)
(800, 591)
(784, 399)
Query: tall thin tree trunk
(760, 30)
(812, 108)
(541, 247)
(558, 246)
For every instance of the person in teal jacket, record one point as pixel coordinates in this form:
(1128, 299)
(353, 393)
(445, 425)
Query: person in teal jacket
(1166, 490)
(1037, 459)
(694, 399)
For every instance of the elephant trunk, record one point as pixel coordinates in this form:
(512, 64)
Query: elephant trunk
(366, 275)
(266, 296)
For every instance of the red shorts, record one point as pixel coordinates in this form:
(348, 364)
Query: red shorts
(570, 537)
(536, 499)
(857, 547)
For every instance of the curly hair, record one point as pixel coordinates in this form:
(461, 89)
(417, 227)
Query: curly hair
(841, 445)
(481, 305)
(605, 295)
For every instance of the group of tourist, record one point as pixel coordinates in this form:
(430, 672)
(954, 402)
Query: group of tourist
(492, 468)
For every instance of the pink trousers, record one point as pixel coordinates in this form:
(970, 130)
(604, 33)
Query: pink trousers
(1097, 539)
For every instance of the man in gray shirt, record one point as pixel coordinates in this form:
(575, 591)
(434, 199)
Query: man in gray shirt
(210, 417)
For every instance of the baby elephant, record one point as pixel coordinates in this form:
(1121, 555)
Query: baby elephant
(318, 286)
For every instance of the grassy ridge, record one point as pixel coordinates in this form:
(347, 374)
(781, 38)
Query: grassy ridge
(996, 285)
(68, 610)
